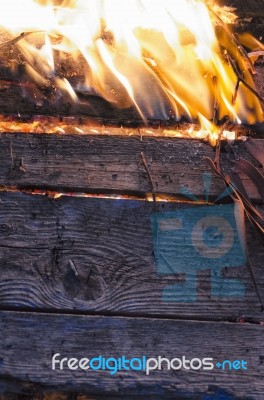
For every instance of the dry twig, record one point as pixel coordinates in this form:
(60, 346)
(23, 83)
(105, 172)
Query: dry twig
(250, 211)
(18, 38)
(242, 80)
(153, 191)
(234, 40)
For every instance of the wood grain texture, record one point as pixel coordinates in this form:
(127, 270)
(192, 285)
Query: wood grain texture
(109, 243)
(28, 341)
(111, 164)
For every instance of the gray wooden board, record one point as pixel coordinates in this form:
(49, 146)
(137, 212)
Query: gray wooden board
(110, 244)
(110, 163)
(29, 340)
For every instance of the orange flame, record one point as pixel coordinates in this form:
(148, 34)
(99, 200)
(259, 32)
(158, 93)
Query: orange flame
(161, 56)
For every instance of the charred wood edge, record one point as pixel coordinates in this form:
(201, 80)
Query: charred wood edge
(90, 109)
(24, 107)
(89, 106)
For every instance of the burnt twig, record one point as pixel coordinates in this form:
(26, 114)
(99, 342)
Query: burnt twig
(218, 145)
(242, 80)
(250, 211)
(153, 191)
(234, 40)
(236, 92)
(216, 100)
(18, 38)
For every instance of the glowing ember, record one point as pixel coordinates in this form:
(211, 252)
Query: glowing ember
(166, 58)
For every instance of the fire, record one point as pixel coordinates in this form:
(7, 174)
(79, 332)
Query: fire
(166, 58)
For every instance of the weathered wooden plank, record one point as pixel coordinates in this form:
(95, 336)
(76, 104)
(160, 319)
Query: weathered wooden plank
(109, 243)
(107, 163)
(29, 340)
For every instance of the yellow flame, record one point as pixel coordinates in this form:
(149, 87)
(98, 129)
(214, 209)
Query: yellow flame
(161, 56)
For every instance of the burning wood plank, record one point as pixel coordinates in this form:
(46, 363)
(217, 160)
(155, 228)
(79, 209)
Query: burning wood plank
(177, 65)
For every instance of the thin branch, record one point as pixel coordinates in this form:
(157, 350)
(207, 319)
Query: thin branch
(218, 145)
(216, 100)
(233, 39)
(18, 38)
(153, 191)
(242, 80)
(251, 213)
(236, 92)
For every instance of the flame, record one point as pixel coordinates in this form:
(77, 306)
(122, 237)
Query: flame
(164, 57)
